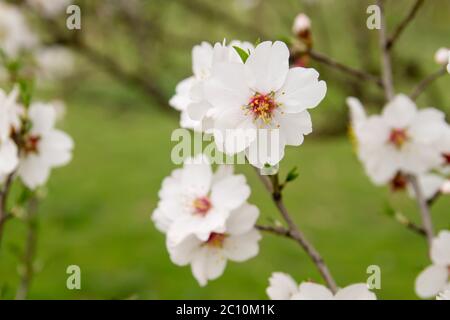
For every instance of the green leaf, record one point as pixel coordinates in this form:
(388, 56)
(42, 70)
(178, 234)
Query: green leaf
(26, 91)
(242, 53)
(292, 175)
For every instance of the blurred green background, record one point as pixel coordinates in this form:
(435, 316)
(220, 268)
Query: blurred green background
(97, 211)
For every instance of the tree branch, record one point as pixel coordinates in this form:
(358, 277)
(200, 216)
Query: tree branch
(359, 74)
(401, 27)
(294, 233)
(385, 57)
(409, 224)
(415, 93)
(4, 215)
(424, 209)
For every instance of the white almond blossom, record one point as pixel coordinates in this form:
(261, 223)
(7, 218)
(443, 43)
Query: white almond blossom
(50, 8)
(196, 201)
(283, 287)
(15, 34)
(261, 106)
(401, 139)
(435, 278)
(238, 241)
(196, 113)
(44, 147)
(444, 295)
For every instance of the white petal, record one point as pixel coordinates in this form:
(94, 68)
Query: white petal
(440, 249)
(202, 56)
(399, 112)
(181, 99)
(197, 175)
(357, 113)
(301, 90)
(242, 219)
(358, 291)
(43, 117)
(281, 286)
(56, 147)
(431, 280)
(268, 148)
(208, 264)
(312, 291)
(294, 126)
(427, 125)
(161, 220)
(223, 171)
(8, 157)
(184, 252)
(266, 68)
(33, 171)
(198, 110)
(229, 193)
(242, 247)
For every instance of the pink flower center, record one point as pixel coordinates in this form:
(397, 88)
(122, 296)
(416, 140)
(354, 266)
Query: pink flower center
(398, 137)
(216, 240)
(447, 158)
(202, 205)
(31, 144)
(261, 106)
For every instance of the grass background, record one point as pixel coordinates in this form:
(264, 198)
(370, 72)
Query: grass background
(97, 211)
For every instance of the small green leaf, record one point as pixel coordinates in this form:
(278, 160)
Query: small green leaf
(242, 53)
(258, 41)
(292, 175)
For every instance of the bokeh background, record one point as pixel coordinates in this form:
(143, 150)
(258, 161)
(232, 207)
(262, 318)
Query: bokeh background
(129, 57)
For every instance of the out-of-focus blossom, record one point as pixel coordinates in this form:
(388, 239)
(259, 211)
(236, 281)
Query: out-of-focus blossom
(262, 94)
(54, 62)
(441, 56)
(44, 147)
(246, 4)
(50, 8)
(15, 34)
(283, 287)
(435, 278)
(401, 139)
(302, 24)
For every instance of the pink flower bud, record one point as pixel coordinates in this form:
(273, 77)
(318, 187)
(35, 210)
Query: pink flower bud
(441, 56)
(302, 23)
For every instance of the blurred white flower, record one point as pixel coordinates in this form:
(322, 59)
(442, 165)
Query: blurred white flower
(430, 184)
(50, 8)
(15, 35)
(435, 278)
(283, 287)
(444, 295)
(263, 94)
(238, 241)
(441, 56)
(194, 201)
(44, 147)
(8, 158)
(401, 139)
(54, 62)
(246, 4)
(302, 23)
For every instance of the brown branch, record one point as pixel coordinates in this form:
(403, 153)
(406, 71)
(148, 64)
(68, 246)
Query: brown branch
(4, 215)
(409, 224)
(415, 93)
(295, 233)
(385, 57)
(401, 27)
(282, 231)
(359, 74)
(423, 208)
(30, 251)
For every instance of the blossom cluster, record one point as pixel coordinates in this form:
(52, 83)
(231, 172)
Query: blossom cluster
(30, 146)
(403, 141)
(207, 218)
(239, 91)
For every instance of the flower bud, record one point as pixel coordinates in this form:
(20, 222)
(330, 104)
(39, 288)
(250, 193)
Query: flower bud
(302, 25)
(442, 56)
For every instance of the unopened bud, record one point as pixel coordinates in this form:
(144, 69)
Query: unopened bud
(441, 56)
(302, 25)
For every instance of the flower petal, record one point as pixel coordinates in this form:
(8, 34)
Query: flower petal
(229, 193)
(242, 219)
(358, 291)
(430, 281)
(242, 247)
(312, 291)
(281, 286)
(208, 264)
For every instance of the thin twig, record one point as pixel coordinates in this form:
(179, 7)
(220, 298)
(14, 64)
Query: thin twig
(401, 27)
(424, 209)
(385, 57)
(359, 74)
(30, 251)
(295, 233)
(409, 224)
(282, 231)
(4, 215)
(426, 82)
